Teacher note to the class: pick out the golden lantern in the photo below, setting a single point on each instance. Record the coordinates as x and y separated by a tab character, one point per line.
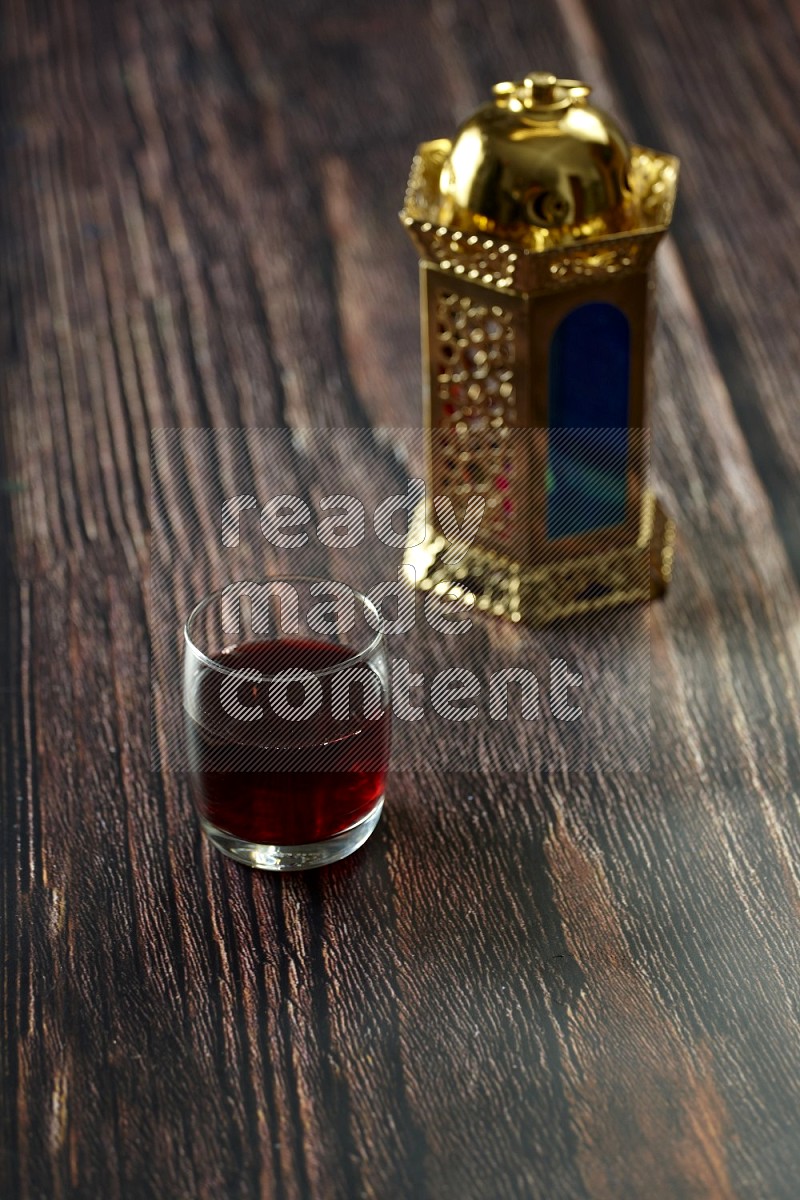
536	226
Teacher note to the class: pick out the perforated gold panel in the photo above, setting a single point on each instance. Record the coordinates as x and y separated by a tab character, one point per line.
473	372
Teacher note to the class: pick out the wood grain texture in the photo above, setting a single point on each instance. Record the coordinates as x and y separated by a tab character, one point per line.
554	986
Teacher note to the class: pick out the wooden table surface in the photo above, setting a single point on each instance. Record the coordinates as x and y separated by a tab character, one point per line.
580	986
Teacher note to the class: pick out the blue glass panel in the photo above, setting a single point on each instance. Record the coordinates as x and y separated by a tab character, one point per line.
589	380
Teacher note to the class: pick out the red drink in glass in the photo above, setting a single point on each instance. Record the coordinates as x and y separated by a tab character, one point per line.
288	734
277	781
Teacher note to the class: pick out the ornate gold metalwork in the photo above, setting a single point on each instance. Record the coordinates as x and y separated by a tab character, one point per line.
475	381
504	587
499	262
536	206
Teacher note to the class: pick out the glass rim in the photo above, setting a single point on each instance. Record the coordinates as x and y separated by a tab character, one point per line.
267	676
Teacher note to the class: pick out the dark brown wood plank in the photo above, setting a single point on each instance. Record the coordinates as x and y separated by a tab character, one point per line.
553	985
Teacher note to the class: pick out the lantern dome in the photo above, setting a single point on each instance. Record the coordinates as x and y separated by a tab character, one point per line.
538	165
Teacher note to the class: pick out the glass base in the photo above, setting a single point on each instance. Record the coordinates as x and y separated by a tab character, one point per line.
295	858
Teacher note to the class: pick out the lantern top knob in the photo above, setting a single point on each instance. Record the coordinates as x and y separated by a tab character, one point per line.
537	161
540	91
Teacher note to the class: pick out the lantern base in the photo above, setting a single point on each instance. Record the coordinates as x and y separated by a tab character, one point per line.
545	593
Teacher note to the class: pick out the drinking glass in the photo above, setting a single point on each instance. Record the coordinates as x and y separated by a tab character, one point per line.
286	696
